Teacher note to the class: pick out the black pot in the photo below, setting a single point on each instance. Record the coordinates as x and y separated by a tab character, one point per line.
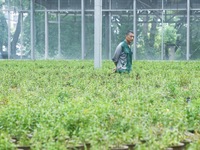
186	142
14	140
191	130
88	146
78	147
120	148
23	147
169	148
131	146
179	146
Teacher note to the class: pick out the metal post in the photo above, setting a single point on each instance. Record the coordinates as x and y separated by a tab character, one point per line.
98	34
59	45
134	29
32	30
9	34
162	44
82	29
188	31
22	30
46	35
21	39
107	34
109	31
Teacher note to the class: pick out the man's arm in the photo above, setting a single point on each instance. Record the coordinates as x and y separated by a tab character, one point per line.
117	54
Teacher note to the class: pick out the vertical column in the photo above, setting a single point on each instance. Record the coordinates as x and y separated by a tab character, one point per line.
162	44
98	34
59	45
46	35
108	32
32	30
22	38
188	31
134	28
82	29
9	34
22	30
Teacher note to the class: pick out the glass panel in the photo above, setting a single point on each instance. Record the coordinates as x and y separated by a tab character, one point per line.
122	4
195	4
149	4
194	35
172	4
105	37
51	4
23	45
175	35
20	5
4	34
25	5
71	35
39	4
149	28
105	4
19	32
148	35
39	35
70	4
121	22
89	32
89	4
53	35
3	6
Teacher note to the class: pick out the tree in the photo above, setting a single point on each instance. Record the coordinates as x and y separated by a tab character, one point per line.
3	31
147	27
14	6
16	37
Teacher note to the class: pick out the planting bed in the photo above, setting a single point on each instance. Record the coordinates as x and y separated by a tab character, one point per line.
70	105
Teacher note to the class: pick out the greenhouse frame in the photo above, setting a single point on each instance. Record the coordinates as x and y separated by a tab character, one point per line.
91	29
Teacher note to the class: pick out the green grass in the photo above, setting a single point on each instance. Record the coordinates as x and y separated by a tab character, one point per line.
57	100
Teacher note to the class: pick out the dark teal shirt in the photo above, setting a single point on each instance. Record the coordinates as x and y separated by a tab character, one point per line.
123	57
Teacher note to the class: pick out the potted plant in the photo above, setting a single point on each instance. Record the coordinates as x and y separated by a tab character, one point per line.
173	138
4	142
24	143
118	142
75	143
170	37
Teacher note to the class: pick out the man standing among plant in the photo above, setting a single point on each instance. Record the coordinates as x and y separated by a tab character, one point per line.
123	54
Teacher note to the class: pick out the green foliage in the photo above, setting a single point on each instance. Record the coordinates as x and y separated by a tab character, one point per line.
57	100
170	34
3	30
5	142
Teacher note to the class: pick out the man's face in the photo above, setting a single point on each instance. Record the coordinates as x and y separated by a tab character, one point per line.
130	37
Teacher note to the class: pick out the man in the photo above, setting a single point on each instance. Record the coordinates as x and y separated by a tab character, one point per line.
123	54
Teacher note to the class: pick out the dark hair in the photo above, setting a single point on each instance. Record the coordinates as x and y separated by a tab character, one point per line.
129	31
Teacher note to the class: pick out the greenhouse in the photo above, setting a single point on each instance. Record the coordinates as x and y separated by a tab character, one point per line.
91	29
55	94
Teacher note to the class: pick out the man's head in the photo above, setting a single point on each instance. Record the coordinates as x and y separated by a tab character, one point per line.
129	36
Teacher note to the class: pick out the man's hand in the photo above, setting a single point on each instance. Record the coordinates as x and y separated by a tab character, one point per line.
114	70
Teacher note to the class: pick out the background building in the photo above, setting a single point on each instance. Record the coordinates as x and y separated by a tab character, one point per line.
65	29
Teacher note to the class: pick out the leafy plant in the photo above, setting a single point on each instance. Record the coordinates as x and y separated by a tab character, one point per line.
52	100
170	35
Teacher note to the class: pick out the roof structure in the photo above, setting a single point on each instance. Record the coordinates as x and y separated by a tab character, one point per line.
117	4
64	4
